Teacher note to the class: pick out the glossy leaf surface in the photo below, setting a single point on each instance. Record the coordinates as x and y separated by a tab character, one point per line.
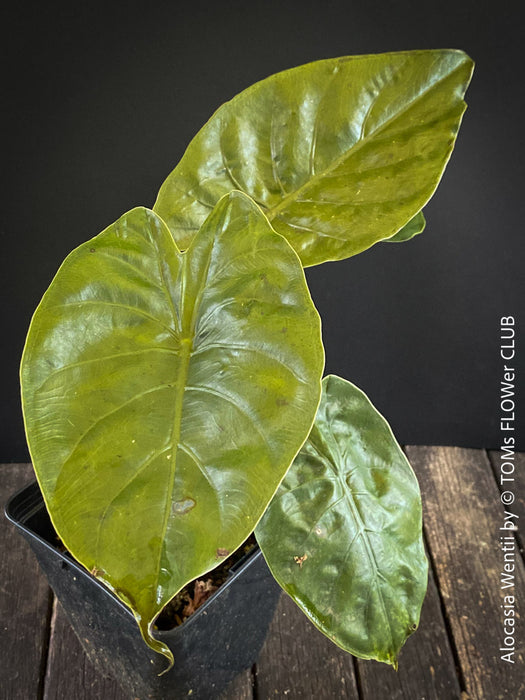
343	533
166	394
339	154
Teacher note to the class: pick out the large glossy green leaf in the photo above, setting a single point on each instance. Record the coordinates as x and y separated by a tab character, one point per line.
343	533
339	154
166	394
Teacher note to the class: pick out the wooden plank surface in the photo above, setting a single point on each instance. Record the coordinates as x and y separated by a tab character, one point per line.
241	688
499	463
69	672
24	602
297	661
426	662
461	621
463	515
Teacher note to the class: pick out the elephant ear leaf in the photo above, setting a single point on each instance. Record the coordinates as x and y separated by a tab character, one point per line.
343	533
339	153
165	395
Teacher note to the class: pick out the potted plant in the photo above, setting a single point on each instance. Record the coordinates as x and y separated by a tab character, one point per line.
171	378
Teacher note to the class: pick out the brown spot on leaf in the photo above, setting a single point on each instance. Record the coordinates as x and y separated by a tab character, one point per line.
300	560
221	552
282	402
182	507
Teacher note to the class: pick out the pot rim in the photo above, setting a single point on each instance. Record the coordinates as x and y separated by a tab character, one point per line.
28	501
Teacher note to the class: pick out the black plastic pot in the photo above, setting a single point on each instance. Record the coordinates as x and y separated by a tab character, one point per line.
221	639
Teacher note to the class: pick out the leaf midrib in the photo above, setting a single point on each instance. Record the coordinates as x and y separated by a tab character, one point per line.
272	212
187	336
360	525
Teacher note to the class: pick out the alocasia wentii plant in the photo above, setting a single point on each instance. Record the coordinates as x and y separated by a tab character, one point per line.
171	378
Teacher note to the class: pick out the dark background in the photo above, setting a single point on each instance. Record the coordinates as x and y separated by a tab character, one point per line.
100	102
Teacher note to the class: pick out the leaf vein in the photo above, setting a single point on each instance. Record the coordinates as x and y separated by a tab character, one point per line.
81	363
232	346
121	490
240	406
137	396
273	155
184	448
349	152
118	305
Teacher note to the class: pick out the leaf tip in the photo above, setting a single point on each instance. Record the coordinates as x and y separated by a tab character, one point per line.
155	644
171	662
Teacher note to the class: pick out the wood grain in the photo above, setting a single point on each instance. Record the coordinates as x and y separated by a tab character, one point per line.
241	688
426	662
461	622
517	487
463	515
25	601
69	672
297	661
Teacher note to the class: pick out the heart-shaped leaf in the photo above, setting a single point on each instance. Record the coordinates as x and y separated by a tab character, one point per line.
339	154
166	394
343	533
